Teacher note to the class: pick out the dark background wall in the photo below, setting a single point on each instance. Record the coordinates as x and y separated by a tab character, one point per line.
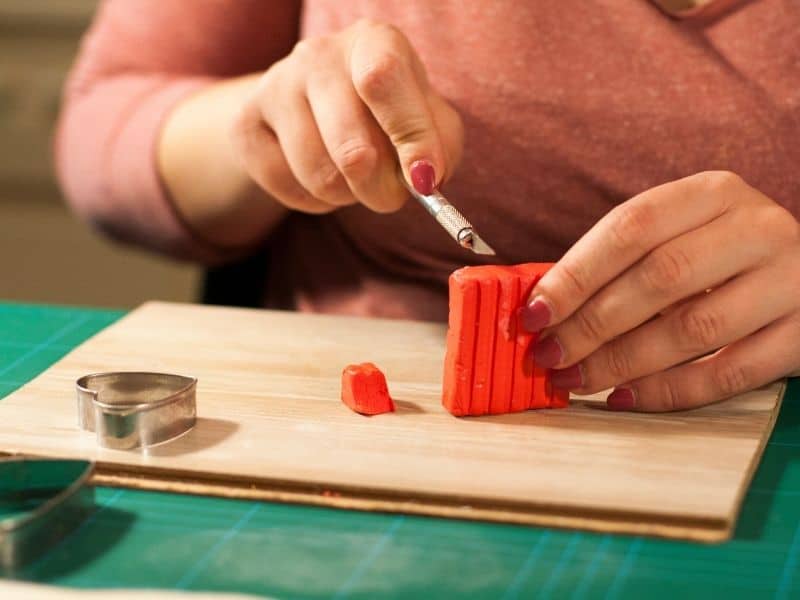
45	254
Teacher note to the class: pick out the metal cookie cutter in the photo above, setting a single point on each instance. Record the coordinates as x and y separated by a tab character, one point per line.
41	501
134	409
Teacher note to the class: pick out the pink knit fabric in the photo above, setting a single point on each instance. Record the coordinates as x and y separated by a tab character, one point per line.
569	107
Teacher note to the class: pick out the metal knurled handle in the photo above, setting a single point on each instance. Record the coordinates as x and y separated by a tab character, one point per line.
452	221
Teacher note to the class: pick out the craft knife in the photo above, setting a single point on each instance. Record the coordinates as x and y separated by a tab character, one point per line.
450	219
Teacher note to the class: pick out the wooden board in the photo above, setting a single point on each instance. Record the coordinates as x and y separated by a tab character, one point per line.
271	426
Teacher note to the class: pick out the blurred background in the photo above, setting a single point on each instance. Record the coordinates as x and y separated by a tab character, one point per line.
46	255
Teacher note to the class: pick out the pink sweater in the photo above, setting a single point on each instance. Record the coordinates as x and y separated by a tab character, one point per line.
579	104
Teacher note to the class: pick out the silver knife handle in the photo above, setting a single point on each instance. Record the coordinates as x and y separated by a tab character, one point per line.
453	222
433	203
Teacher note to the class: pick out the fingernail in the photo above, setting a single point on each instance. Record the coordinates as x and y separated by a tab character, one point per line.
621	399
547	353
535	316
423	177
567	379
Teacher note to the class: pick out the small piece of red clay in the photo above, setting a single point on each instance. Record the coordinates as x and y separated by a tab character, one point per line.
364	390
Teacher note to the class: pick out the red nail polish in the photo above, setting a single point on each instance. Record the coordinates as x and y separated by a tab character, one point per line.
535	316
621	399
567	379
423	177
547	353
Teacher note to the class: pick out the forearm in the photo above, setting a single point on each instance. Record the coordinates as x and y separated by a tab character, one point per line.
208	187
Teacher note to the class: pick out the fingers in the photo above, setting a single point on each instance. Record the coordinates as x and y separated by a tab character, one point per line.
624	236
383	70
263	160
451	132
744	365
683	267
342	109
354	141
289	116
729	313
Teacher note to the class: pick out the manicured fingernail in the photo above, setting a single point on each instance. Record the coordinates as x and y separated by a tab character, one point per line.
423	177
621	399
535	316
567	379
547	353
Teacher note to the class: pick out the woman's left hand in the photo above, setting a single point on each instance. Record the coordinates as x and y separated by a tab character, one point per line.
684	295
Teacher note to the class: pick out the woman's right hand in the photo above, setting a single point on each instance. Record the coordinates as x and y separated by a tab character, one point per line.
329	123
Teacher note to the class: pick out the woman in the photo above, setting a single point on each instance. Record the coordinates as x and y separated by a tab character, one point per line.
203	129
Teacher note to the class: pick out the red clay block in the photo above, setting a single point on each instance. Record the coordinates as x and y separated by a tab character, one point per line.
364	390
461	334
531	273
523	388
540	397
505	342
488	366
489	291
559	398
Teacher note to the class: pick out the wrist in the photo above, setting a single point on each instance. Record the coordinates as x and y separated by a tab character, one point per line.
215	197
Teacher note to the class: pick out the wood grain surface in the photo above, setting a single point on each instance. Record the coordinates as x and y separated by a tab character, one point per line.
271	425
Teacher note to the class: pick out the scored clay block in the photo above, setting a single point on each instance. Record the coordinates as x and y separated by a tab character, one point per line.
489	368
542	393
523	379
364	390
462	326
489	291
505	339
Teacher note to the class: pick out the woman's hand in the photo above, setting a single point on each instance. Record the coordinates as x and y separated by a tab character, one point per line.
687	294
327	124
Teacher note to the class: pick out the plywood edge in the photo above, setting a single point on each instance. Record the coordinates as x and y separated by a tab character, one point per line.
698	529
755	460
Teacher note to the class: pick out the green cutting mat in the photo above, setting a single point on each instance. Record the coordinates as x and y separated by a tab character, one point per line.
144	539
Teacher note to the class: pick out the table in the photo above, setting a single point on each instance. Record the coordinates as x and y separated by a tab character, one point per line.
147	539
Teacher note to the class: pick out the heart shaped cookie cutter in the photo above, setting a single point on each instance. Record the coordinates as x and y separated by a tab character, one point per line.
132	409
42	501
